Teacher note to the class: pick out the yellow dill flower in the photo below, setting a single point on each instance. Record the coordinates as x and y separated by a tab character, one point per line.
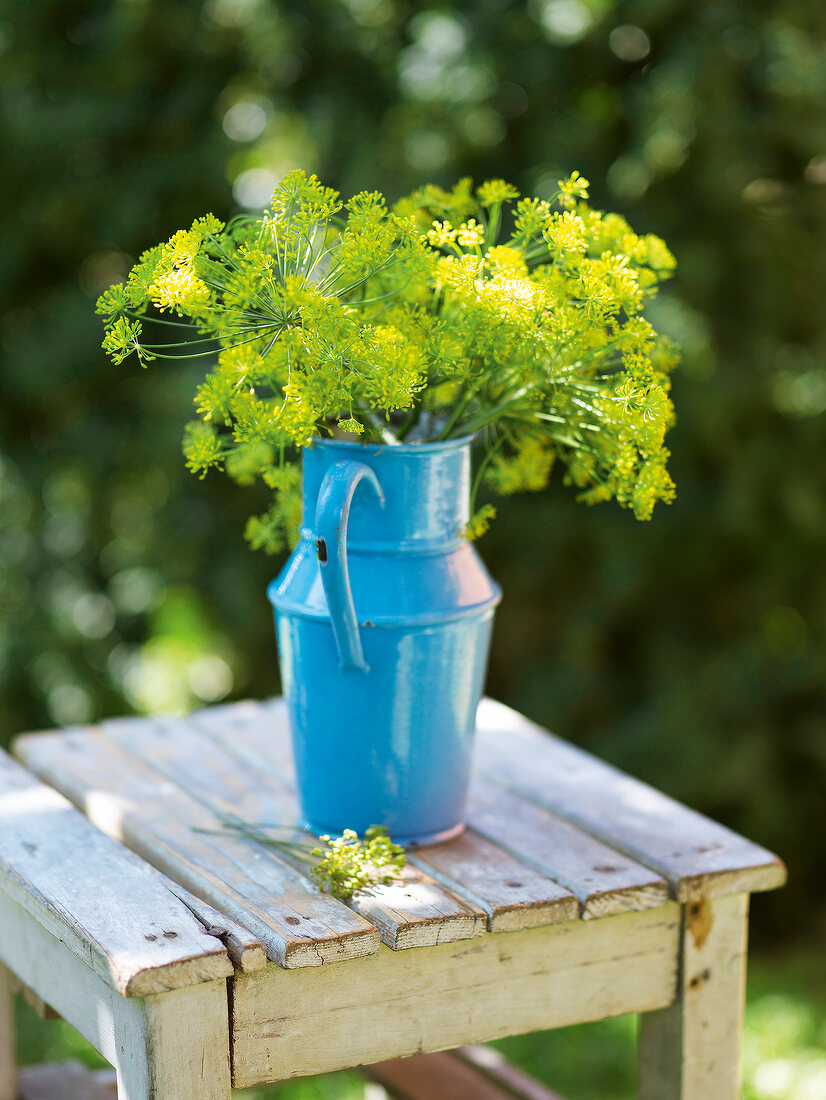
431	318
532	215
470	234
441	235
296	418
351	425
479	522
392	369
122	338
366	208
565	233
180	290
459	273
573	188
518	298
492	191
528	468
249	461
202	448
503	260
303	199
654	484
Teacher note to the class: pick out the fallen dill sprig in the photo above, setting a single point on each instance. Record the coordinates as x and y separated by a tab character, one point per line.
339	865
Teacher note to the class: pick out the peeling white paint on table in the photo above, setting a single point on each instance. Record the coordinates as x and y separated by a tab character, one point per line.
576	893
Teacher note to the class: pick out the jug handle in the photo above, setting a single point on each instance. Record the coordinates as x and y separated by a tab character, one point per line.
332	514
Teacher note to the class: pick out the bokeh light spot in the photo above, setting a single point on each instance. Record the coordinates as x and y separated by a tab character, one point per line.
246	119
253	189
564	20
629	42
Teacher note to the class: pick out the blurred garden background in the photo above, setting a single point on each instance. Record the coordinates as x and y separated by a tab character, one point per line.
689	651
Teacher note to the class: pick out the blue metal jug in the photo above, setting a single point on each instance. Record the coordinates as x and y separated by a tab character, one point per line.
383	614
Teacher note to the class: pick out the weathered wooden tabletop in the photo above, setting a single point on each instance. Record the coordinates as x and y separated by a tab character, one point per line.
554	835
575	893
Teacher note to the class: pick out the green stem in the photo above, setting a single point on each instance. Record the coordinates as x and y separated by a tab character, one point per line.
383	433
492	231
482	419
295	848
158	320
197	354
411	422
460	408
483	465
259	330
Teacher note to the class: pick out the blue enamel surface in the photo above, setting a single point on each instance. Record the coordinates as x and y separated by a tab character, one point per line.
383	706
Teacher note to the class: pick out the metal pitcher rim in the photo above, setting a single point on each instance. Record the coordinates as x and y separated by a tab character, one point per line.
394	448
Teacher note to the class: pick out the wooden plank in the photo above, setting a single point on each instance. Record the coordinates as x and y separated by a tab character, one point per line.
492	1065
43	1010
298	925
509	894
470	1073
244	949
691	1050
166	1046
513	895
415	911
698	857
8	1067
257	732
177	1047
396	1004
107	905
605	881
425	1076
68	1081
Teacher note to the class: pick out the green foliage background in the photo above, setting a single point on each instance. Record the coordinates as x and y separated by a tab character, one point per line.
689	651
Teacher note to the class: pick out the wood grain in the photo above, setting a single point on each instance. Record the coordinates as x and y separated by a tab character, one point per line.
696	856
691	1050
415	911
298	925
493	1065
176	1047
244	949
469	1073
107	905
395	1004
165	1046
481	874
605	881
426	1076
8	1070
512	895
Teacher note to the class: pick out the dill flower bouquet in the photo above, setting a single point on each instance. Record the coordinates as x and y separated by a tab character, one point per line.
519	321
379	343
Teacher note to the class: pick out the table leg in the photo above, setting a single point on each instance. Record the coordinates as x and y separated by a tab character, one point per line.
174	1046
8	1068
691	1050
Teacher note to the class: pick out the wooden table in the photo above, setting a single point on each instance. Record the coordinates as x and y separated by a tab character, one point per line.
576	893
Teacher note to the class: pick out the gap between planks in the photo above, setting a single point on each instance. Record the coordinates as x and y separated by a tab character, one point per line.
698	857
511	884
551	861
298	925
414	911
104	903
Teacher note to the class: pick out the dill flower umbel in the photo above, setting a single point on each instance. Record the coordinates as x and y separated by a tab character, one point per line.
452	313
